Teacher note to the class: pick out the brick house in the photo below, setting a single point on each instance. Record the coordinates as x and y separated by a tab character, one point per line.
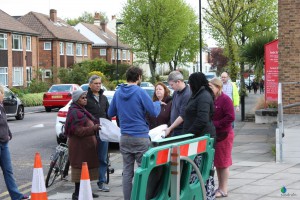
18	52
289	52
60	45
105	42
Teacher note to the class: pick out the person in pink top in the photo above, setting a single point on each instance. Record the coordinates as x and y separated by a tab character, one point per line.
222	119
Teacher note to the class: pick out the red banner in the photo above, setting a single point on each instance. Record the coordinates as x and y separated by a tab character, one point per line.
271	71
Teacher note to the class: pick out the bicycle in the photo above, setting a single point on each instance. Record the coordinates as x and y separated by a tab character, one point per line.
59	165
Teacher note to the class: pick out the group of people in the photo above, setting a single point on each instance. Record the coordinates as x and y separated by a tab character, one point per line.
201	107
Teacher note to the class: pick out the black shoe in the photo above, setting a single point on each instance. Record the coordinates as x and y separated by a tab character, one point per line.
95	195
74	196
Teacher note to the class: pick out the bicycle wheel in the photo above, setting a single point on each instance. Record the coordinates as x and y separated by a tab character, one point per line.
53	171
64	165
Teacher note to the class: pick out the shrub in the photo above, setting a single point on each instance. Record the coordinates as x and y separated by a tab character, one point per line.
32	99
260	104
38	86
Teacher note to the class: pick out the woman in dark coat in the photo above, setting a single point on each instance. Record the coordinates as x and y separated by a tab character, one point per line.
198	121
161	93
81	128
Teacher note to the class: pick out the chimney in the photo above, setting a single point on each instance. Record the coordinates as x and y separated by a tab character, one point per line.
53	15
103	26
113	17
97	19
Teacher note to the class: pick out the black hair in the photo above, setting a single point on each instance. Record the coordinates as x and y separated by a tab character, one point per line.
133	74
197	80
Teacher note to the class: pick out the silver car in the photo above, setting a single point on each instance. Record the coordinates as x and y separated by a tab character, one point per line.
13	105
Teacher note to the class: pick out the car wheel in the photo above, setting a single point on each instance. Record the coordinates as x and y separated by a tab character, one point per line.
20	113
48	109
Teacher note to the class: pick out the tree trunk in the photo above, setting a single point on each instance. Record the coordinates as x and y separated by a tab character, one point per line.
152	65
170	66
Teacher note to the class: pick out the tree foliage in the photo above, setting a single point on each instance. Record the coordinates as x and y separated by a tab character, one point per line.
253	52
188	48
155	28
232	23
218	59
87	18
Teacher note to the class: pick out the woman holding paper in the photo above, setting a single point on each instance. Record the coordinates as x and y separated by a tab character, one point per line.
162	94
81	128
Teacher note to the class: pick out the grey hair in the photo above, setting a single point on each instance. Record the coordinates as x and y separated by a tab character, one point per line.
93	77
175	76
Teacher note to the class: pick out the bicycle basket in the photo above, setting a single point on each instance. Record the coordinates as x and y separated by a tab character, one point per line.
62	148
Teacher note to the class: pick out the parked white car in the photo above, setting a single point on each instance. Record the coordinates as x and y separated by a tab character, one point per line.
62	114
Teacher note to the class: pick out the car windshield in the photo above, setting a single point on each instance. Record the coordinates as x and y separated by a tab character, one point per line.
60	88
209	76
144	84
150	92
85	87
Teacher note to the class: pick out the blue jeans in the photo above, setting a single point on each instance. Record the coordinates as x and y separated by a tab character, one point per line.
5	163
102	157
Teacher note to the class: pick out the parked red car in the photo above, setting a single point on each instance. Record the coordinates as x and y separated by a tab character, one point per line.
58	96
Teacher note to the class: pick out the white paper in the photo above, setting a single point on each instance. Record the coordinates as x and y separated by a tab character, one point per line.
109	132
158	133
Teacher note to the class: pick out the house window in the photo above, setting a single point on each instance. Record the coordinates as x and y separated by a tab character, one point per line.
48	73
102	52
17	42
85	49
28	43
78	49
3	41
3	76
112	54
124	55
17	76
119	54
61	48
70	49
128	55
47	45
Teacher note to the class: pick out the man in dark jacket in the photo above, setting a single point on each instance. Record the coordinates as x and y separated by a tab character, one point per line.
97	105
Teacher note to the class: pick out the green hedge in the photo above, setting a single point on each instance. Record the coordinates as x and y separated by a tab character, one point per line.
33	99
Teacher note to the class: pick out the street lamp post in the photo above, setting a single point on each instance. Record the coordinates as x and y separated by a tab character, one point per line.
200	36
118	23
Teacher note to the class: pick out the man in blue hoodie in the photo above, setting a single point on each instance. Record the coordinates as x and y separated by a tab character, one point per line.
131	103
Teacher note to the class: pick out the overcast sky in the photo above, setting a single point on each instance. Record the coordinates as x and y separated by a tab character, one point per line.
72	8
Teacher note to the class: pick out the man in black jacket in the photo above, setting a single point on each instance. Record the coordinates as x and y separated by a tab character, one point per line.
97	105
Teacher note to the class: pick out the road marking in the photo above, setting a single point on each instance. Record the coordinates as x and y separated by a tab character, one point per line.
20	189
38	126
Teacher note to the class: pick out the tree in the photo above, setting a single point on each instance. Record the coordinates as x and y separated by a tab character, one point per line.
218	59
87	18
155	28
222	17
260	19
253	53
189	47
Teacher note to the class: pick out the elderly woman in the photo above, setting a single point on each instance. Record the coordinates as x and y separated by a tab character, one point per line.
162	94
222	119
5	160
81	128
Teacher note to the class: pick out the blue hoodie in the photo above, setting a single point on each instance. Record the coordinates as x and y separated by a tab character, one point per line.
131	103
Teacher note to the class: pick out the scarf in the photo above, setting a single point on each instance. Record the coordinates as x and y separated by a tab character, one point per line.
77	117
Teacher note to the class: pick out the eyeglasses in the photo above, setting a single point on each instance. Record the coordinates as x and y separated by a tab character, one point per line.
83	98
